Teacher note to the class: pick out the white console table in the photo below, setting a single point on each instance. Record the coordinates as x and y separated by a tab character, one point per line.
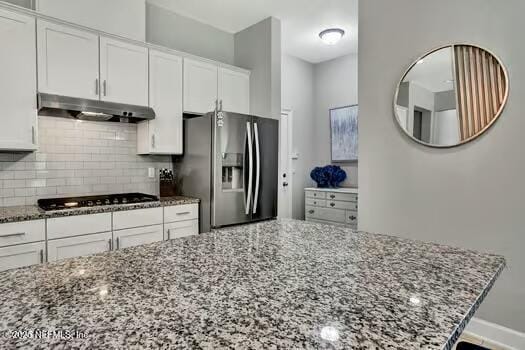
331	205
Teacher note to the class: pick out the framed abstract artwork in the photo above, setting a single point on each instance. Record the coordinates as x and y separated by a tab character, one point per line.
343	134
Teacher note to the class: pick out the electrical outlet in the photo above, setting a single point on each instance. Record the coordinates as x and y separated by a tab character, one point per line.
151	172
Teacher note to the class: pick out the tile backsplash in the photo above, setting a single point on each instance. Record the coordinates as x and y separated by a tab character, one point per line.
78	158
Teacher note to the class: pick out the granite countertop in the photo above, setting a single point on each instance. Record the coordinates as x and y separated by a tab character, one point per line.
33	212
275	284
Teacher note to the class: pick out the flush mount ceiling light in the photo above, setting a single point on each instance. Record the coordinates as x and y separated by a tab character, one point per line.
331	36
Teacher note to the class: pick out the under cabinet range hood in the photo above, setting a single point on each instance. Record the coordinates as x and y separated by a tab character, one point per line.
95	110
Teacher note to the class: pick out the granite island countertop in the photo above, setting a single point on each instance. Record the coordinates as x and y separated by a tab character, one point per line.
275	284
33	212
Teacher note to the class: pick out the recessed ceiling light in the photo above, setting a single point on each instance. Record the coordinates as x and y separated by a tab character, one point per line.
331	36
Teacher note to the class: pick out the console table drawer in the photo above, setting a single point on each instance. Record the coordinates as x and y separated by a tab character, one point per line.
336	196
315	194
351	217
342	205
315	202
327	214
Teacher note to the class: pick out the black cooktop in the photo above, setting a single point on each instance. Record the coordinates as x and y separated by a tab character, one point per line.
94	201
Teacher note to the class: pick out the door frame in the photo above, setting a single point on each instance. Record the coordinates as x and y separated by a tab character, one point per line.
288	115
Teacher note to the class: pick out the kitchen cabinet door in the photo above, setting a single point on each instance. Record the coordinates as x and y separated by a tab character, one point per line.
163	135
17	82
181	229
137	236
22	255
67	61
123	72
200	86
78	246
234	90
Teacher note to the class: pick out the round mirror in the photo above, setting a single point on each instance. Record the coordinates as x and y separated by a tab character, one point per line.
451	95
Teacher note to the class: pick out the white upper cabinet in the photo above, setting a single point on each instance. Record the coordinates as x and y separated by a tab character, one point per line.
234	90
126	18
200	86
163	135
67	61
17	82
123	72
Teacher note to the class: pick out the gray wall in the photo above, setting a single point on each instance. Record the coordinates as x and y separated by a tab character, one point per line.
470	196
445	100
258	48
177	32
298	95
335	85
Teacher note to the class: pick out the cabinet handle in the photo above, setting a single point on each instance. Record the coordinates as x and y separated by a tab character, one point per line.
332	204
184	213
169	234
311	211
216	106
220	105
118	243
332	196
41	256
352	218
153	141
110	242
33	137
96	86
104	87
12	234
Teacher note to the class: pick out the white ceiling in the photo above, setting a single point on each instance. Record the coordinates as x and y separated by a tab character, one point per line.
435	71
302	20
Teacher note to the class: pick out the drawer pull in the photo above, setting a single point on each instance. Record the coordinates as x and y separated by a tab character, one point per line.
169	234
41	256
315	202
18	234
110	242
332	204
311	211
332	196
352	217
118	243
184	213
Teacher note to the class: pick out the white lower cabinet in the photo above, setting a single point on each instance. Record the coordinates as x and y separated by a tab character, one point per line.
137	218
24	243
78	246
137	236
179	229
22	232
22	255
77	225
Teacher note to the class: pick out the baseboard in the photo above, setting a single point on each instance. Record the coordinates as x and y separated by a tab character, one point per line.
496	335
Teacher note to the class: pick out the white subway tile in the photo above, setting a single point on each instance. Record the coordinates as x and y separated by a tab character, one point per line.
14	183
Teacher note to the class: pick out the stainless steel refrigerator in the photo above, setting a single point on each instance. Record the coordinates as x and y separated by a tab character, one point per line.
230	162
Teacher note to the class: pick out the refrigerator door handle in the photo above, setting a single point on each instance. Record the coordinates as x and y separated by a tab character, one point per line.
250	168
258	167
